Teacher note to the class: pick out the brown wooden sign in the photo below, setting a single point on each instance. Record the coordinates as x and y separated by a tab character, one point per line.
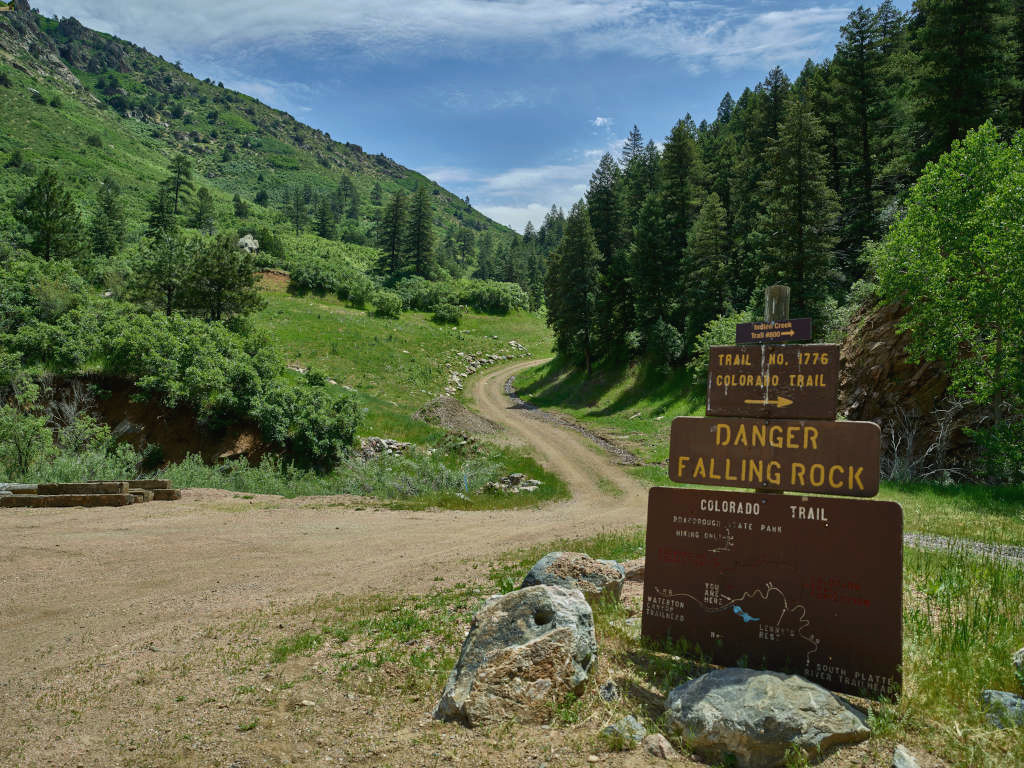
834	457
797	329
774	381
807	585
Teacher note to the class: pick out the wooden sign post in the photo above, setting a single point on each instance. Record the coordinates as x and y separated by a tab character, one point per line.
804	584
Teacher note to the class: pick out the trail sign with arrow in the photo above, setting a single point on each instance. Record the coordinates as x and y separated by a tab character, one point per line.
774	381
778	332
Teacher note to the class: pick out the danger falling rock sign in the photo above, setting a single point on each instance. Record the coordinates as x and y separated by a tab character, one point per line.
840	458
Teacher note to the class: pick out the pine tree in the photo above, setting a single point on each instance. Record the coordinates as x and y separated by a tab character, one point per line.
654	269
352	212
964	74
571	288
52	220
203	215
241	208
161	219
161	271
485	256
797	230
680	185
376	194
391	237
420	235
708	259
222	282
324	219
108	223
615	299
296	209
632	148
181	179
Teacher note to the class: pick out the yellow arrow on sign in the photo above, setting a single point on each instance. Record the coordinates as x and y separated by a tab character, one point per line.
781	402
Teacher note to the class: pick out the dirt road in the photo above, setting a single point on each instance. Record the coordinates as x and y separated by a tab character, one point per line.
75	582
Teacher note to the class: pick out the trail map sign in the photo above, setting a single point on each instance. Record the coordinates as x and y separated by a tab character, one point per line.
798	584
804	584
798	329
809	456
769	381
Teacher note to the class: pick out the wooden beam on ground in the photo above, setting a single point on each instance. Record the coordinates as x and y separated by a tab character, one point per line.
69	500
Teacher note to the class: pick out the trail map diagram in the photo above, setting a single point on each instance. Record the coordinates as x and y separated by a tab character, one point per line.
796	584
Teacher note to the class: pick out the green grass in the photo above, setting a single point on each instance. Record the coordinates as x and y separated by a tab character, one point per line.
394	365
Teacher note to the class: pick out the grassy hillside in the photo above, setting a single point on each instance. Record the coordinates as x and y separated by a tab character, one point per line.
92	105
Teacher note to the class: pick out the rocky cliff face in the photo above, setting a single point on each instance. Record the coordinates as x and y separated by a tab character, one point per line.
922	426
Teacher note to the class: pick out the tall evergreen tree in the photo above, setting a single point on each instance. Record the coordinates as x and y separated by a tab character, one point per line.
203	215
180	182
391	237
161	219
324	219
797	230
966	52
295	209
485	256
708	258
52	220
161	271
420	235
654	269
108	223
615	299
571	288
352	210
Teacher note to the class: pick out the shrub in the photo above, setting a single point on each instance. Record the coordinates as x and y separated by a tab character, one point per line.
357	289
94	140
313	275
448	314
38	98
56	102
314	428
387	304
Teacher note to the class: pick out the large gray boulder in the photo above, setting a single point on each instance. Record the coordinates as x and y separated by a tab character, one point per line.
525	651
1018	663
755	716
597	579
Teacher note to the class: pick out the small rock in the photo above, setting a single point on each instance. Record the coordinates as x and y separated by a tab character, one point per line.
634	569
598	579
609	691
308	703
657	745
629	731
1018	662
1005	710
901	758
593	759
756	716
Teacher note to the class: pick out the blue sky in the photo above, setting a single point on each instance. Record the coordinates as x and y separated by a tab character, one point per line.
511	102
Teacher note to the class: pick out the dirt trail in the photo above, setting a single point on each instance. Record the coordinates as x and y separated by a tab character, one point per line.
77	582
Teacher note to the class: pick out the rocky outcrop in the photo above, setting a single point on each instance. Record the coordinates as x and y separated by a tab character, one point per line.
921	427
756	716
597	579
525	651
1005	710
249	244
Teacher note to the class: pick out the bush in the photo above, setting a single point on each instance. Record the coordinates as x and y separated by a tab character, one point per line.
314	428
313	275
1000	451
358	288
94	140
387	304
447	314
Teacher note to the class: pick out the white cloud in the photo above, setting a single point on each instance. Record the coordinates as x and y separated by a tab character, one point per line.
515	216
601	122
725	34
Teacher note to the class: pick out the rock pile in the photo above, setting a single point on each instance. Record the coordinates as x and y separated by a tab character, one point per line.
468	364
375	447
452	416
514	483
249	244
